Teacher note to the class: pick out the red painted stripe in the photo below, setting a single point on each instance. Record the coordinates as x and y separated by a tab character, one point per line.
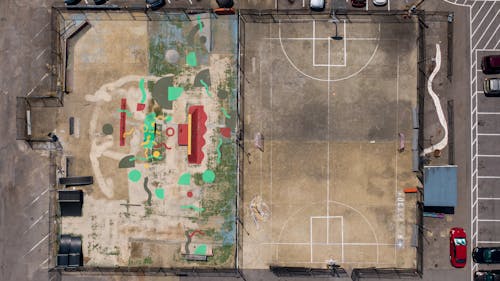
123	118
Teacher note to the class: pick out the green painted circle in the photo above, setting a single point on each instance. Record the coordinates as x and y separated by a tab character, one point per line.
208	176
107	129
134	175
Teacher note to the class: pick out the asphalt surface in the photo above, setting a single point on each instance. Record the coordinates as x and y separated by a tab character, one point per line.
24	189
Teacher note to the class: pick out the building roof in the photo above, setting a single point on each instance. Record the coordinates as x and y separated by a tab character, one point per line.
440	186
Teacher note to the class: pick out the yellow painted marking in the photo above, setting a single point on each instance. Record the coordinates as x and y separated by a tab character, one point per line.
128	133
189	134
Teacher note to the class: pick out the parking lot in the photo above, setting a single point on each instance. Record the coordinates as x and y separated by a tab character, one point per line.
330	113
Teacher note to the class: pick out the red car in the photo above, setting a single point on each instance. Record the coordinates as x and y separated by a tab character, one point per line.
458	247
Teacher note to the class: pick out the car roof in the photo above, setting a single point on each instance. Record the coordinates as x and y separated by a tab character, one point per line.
495	84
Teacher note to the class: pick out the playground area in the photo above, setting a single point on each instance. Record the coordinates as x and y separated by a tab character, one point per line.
335	116
151	116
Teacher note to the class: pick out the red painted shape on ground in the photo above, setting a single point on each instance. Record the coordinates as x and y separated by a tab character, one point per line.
196	231
225	132
123	118
170	131
162	144
182	134
189	194
140	106
198	130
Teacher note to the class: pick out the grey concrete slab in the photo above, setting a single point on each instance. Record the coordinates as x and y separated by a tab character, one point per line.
487	144
489	188
489	233
488	124
488	166
489	210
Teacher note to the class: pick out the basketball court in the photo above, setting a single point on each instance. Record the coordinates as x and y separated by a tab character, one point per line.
328	184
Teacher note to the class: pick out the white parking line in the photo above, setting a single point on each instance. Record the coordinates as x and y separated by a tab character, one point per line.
486	29
488	220
484	134
473	18
494	32
489	242
36	245
488	198
37	198
35	222
488	177
486	113
484	17
38	33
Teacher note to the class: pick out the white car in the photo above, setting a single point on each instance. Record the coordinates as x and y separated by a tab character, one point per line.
317	5
379	2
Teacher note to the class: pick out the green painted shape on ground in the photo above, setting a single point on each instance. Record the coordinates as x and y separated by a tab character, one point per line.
149	129
185	179
134	175
159	94
225	113
200	24
174	93
219	154
107	129
192	207
208	176
129	114
127	162
191	59
206	88
143	91
160	193
168	119
201	250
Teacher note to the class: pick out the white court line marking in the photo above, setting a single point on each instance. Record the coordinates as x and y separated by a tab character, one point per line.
486	29
486	113
38	33
345	47
36	245
35	222
342	236
328	150
311	237
488	220
437	104
493	35
328	38
327	244
488	198
484	134
320	79
37	198
481	22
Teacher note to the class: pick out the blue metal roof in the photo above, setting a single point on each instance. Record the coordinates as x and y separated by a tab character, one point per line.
440	186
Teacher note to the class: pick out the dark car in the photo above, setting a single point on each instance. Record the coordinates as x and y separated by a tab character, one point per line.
486	255
71	2
99	2
155	4
492	275
491	86
491	64
358	3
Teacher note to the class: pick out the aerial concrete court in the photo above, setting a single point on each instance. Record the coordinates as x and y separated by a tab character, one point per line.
154	108
329	181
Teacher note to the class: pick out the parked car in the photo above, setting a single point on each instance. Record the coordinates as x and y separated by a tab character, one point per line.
379	2
492	275
99	2
155	4
486	255
491	64
317	5
491	86
458	247
358	3
71	2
